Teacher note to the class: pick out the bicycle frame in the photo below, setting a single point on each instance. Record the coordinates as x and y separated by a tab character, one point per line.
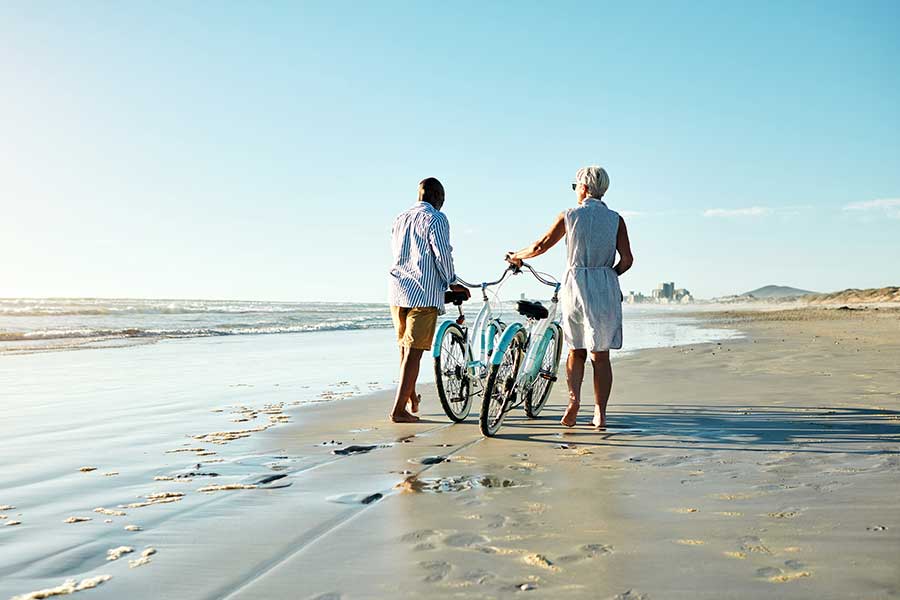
535	330
480	344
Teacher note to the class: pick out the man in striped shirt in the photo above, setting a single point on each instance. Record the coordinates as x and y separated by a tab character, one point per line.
421	273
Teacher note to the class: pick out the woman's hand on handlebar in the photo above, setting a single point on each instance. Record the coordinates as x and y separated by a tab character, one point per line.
511	259
461	288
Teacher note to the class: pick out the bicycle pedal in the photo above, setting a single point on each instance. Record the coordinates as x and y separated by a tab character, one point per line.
548	376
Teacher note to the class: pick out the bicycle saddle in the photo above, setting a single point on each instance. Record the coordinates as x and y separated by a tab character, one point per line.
532	310
456	298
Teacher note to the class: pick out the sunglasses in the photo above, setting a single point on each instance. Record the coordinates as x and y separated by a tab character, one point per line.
574	186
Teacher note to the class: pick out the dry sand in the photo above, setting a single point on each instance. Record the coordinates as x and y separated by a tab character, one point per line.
763	466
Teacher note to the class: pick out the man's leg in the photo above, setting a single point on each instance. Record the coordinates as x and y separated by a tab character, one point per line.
414	397
574	377
409	372
603	378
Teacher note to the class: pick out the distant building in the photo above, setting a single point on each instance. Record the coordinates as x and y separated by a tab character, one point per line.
635	298
665	293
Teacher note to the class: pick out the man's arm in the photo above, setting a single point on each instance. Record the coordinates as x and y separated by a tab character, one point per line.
623	246
439	239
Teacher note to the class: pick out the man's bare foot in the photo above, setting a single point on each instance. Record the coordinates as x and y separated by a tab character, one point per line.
404	417
599	421
414	402
571	415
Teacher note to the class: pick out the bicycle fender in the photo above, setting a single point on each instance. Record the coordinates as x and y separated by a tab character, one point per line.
505	341
542	348
436	345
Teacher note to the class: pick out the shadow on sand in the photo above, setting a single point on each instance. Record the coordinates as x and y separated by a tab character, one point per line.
753	429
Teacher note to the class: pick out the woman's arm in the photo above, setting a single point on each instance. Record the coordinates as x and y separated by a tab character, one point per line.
623	246
547	241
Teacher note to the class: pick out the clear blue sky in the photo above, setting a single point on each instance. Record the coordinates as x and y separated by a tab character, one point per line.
260	150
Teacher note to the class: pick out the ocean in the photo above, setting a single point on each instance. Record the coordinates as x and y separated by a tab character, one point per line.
47	324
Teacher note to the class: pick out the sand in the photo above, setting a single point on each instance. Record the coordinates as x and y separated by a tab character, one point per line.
756	467
768	465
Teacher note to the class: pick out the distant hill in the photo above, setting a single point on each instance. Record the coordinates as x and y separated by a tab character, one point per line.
771	292
854	296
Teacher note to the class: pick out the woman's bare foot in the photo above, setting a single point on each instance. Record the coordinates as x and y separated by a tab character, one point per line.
599	420
404	417
571	415
414	402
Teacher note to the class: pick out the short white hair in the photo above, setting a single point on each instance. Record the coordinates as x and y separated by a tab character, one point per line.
595	178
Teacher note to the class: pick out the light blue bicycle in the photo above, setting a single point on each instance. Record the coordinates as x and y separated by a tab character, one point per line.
506	365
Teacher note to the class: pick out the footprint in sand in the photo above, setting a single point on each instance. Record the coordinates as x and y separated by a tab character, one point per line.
465	540
420	535
437	570
478	577
540	561
491	521
752	544
593	550
776	575
586	552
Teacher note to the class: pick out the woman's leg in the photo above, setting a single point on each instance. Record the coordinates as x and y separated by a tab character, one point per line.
574	377
602	385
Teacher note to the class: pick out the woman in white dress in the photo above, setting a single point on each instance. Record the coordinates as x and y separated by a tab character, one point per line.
591	297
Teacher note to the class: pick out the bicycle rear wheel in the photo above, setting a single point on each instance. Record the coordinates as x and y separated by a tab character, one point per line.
450	374
500	390
536	397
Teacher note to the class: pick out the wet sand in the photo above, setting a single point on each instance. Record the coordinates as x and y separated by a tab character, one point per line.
768	465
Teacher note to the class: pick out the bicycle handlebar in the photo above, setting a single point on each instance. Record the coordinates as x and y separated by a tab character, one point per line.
538	276
515	271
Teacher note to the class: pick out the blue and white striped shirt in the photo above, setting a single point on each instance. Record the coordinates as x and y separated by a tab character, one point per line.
423	261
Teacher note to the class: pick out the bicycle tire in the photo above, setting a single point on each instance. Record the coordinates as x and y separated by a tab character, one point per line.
450	374
540	390
499	391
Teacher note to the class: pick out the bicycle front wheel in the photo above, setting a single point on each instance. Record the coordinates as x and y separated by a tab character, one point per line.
536	397
450	374
500	390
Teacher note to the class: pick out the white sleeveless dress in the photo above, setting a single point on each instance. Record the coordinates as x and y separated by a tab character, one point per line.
591	297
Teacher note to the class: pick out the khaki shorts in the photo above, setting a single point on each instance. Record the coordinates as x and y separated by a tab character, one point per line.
415	326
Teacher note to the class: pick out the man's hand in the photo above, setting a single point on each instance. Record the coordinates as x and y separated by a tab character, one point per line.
511	259
461	288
